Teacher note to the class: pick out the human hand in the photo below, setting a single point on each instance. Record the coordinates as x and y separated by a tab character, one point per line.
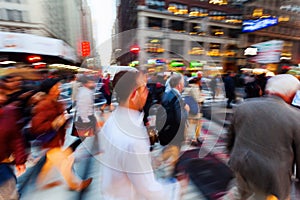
59	121
20	169
187	108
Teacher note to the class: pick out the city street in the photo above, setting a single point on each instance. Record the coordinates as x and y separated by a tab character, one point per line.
88	166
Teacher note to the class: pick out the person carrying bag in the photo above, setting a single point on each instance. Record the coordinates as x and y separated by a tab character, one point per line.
84	129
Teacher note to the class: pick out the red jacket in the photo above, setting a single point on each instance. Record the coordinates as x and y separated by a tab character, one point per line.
43	115
11	139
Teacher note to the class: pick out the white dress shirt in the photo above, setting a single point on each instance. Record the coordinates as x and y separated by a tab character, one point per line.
85	103
127	173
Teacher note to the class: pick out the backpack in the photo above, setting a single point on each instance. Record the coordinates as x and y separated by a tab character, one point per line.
194	107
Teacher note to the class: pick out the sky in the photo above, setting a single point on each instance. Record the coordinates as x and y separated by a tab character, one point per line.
103	16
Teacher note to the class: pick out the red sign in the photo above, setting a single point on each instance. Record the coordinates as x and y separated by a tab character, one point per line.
85	48
135	49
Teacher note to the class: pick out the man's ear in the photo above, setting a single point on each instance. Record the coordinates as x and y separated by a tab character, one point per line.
133	96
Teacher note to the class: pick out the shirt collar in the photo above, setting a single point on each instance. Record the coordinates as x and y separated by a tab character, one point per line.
176	91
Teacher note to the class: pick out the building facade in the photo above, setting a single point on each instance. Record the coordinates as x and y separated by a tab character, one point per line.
57	23
181	31
287	29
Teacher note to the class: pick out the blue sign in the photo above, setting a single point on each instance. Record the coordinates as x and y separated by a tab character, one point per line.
254	25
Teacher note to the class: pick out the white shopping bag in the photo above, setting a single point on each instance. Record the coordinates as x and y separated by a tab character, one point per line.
296	100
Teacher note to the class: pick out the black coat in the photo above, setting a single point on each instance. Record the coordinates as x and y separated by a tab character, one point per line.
175	122
229	85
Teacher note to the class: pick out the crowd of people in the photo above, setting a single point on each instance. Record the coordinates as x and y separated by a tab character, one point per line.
262	138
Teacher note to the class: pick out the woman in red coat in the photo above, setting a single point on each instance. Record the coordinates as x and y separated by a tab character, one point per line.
48	125
12	148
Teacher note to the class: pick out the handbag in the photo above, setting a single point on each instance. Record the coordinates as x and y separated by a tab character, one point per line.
82	129
194	107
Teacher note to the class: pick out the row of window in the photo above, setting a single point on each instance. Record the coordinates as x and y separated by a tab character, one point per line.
193	28
13	1
155	45
13	15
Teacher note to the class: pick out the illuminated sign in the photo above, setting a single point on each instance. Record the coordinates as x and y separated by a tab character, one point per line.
254	25
85	48
268	52
250	51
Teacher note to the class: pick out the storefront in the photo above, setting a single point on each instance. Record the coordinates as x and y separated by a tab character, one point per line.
27	48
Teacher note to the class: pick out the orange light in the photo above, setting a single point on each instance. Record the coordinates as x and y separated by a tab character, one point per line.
85	48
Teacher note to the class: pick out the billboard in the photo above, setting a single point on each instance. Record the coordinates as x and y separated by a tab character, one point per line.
33	44
254	25
268	52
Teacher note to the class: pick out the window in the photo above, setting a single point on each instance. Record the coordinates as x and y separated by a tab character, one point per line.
155	23
214	50
156	4
217	31
234	33
178	9
196	48
154	45
14	15
177	26
13	1
198	12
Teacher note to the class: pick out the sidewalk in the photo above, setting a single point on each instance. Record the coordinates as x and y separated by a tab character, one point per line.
211	133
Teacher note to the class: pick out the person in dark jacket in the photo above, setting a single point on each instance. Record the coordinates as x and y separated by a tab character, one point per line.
264	141
106	89
12	148
229	85
172	134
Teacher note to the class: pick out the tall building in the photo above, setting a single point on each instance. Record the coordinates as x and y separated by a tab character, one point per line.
199	34
53	29
287	13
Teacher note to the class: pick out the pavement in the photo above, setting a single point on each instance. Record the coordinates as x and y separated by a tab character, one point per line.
213	131
88	166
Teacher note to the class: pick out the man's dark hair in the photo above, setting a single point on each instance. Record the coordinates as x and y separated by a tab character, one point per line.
124	83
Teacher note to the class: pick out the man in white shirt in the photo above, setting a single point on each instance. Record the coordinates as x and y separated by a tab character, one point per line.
85	99
84	116
126	164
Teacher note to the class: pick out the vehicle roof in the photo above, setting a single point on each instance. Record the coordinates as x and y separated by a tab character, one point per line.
112	70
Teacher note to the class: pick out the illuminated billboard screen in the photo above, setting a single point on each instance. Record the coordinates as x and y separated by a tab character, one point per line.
254	25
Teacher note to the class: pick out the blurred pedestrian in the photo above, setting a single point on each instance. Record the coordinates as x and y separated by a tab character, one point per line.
12	148
74	85
262	81
127	172
199	80
213	86
229	84
48	124
85	102
167	84
172	133
252	88
85	119
106	89
264	141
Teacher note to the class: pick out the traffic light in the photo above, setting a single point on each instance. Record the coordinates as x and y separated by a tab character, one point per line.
135	49
85	48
